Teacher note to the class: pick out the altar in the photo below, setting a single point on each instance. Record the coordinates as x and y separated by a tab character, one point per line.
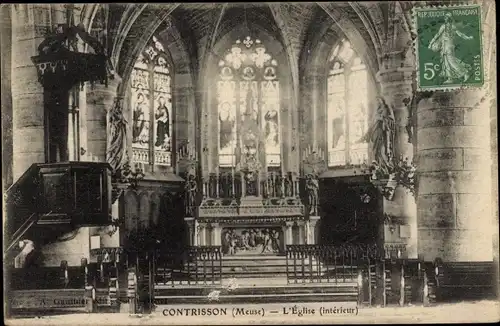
253	226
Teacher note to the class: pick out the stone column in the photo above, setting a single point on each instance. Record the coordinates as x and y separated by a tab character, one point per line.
396	86
454	191
100	99
302	232
216	234
287	234
191	230
28	29
202	234
196	238
313	220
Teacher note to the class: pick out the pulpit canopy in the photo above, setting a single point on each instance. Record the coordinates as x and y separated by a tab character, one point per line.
70	68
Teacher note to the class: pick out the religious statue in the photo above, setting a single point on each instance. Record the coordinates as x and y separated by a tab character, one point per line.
116	155
312	187
288	187
382	135
191	188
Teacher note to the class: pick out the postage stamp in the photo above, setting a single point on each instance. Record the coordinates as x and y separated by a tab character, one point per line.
448	47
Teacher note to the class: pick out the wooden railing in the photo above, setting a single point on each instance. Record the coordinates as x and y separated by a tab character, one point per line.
196	265
382	275
193	266
327	263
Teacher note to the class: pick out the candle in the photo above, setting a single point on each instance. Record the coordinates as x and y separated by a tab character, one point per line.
232	179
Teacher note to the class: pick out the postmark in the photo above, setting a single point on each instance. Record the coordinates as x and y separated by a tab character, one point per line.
448	47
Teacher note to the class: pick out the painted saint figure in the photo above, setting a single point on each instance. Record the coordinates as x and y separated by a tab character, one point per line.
139	119
338	137
227	124
444	43
272	131
162	123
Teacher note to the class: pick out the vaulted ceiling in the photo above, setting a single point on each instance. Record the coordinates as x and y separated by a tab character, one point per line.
201	25
198	26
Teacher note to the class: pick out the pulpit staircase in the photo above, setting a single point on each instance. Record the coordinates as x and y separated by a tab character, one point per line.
51	199
46	202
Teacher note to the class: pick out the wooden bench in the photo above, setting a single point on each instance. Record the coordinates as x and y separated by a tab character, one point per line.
464	280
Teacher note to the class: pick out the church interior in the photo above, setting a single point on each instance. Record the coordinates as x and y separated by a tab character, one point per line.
160	151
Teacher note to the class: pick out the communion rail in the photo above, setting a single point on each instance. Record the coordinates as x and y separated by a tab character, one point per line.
381	275
327	263
194	265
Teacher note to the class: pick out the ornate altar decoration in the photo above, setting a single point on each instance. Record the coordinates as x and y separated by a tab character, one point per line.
248	186
187	160
313	161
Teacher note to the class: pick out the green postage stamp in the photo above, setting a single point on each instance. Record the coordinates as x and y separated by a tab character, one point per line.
448	47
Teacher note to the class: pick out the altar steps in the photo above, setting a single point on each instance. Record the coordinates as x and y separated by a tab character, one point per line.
271	293
255	267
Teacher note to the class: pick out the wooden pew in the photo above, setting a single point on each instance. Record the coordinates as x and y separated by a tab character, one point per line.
457	281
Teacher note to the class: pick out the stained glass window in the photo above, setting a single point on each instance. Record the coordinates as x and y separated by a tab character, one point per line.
152	106
347	107
248	103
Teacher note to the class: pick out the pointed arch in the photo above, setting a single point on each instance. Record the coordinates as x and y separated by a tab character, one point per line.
211	67
318	70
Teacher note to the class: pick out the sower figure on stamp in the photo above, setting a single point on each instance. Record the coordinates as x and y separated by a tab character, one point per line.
443	42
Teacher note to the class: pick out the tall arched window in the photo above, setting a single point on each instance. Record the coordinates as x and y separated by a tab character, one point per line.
347	107
248	104
152	106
